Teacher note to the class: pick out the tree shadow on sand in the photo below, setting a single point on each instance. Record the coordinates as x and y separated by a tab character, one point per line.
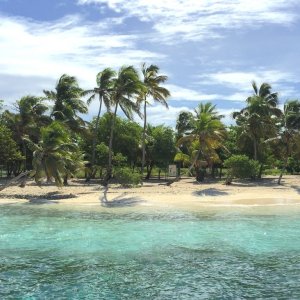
296	188
210	192
48	198
119	201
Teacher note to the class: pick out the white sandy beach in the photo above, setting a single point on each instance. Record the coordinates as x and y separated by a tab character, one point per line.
184	194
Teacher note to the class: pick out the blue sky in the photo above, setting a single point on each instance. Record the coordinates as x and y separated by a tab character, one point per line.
210	49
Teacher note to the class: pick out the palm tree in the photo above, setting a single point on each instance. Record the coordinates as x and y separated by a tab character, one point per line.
289	131
103	89
52	154
255	120
30	117
152	82
207	133
125	87
67	102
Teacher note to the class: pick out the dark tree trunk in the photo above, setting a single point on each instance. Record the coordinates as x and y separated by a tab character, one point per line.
110	151
285	162
149	170
144	139
255	149
95	135
220	175
66	180
260	170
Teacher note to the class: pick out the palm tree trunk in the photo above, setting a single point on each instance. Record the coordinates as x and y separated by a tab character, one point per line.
144	139
112	126
66	180
23	176
25	155
255	148
194	161
149	170
95	132
285	164
260	170
282	171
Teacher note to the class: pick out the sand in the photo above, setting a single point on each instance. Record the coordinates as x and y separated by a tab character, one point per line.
184	194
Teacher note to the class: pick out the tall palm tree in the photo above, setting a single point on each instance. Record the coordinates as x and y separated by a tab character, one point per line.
103	89
152	82
126	87
255	120
207	133
67	102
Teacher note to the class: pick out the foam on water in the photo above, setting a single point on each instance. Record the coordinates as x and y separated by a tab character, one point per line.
53	254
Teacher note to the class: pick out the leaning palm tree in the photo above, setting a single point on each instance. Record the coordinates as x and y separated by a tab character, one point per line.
51	155
153	90
103	89
125	87
67	102
207	132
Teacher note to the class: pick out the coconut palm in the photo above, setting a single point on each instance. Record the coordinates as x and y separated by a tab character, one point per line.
153	90
125	87
29	118
52	154
103	89
255	120
67	102
207	133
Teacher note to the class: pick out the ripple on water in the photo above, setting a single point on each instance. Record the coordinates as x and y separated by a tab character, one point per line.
50	254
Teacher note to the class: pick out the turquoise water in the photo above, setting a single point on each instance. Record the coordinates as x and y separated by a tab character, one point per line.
52	254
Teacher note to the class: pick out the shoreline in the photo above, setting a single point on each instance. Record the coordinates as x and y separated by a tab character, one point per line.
185	194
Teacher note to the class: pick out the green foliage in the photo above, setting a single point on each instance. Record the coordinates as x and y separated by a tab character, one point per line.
126	177
127	139
183	123
160	147
55	156
67	102
182	158
119	159
256	121
9	151
240	166
206	136
1	105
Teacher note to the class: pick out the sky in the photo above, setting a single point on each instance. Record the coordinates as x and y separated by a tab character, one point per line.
211	50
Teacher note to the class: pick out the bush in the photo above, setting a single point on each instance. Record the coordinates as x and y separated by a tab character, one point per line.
126	177
241	166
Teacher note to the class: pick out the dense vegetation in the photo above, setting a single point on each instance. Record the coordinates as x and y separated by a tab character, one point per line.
50	136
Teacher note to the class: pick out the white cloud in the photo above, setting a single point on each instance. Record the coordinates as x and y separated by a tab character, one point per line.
157	114
241	81
199	19
183	94
46	50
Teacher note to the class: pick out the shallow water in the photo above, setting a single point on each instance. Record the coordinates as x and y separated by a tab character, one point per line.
61	254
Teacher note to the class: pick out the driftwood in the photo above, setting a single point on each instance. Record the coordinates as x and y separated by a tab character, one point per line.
22	178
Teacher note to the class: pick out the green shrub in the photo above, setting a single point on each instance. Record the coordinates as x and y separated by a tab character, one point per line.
126	177
241	166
